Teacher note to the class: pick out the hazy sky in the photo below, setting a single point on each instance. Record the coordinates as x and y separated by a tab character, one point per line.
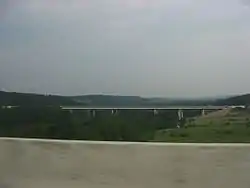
170	48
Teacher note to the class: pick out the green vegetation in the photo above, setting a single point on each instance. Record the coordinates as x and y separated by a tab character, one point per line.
42	118
223	126
126	125
51	122
26	99
236	100
111	100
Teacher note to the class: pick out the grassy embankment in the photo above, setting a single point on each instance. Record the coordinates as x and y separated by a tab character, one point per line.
229	125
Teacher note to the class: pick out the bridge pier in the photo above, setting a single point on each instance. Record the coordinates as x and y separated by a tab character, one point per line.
114	111
180	114
180	118
203	112
155	112
91	113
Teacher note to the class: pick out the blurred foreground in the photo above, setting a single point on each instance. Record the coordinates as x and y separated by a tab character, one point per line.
64	164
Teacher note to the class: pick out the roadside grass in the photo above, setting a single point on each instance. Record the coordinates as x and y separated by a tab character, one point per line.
223	127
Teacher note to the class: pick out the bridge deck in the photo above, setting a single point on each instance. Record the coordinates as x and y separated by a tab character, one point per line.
145	108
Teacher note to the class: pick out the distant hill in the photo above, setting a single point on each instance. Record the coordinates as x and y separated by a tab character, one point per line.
135	100
110	100
236	100
27	99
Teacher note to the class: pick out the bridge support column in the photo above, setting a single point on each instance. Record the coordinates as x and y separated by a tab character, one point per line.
180	114
203	112
180	117
93	113
155	112
89	113
114	111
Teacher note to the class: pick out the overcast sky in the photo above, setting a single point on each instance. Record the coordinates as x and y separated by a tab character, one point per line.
168	48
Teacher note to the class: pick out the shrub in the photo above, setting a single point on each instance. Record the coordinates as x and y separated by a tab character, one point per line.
248	124
228	131
184	134
172	134
223	131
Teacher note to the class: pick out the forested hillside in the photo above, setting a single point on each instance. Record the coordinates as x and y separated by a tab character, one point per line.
111	100
26	99
236	100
